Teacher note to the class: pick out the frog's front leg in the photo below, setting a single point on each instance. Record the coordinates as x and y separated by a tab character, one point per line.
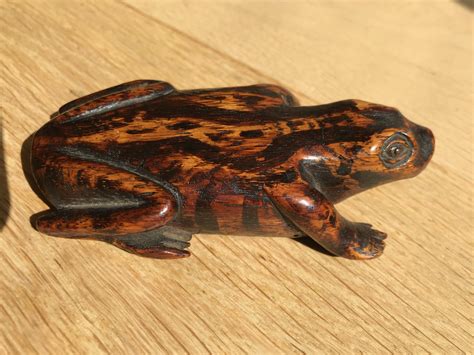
311	212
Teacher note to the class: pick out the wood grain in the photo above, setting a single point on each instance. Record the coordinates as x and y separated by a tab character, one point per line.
245	295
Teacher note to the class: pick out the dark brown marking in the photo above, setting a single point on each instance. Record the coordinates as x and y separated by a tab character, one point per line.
185	125
140	131
251	134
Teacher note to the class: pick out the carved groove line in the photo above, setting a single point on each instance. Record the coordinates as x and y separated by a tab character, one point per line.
90	155
115	106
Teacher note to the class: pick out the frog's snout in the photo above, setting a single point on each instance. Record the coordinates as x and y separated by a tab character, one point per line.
426	144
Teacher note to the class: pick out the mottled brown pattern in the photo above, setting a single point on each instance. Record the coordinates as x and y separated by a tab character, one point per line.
126	164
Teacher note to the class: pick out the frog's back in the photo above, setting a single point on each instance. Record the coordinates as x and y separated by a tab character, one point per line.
151	123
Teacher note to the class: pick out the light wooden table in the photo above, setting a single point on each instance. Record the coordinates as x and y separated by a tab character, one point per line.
238	295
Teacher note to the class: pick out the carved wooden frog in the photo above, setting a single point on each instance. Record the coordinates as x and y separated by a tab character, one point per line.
144	166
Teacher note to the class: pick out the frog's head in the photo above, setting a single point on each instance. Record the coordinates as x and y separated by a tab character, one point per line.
373	145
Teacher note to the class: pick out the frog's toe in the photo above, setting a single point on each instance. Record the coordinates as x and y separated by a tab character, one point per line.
364	242
379	235
163	243
175	233
156	251
364	230
173	243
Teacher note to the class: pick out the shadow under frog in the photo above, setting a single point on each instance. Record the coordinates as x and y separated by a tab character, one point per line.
144	166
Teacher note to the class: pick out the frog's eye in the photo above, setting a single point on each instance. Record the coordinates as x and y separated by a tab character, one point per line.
396	150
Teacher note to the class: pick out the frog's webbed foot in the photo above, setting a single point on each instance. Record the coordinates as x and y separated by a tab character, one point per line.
162	243
115	228
361	241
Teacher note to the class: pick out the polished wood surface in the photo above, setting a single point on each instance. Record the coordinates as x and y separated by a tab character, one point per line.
144	166
240	295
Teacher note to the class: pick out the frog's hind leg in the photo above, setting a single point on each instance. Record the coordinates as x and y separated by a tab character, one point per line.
102	223
96	198
162	243
286	97
119	96
243	98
